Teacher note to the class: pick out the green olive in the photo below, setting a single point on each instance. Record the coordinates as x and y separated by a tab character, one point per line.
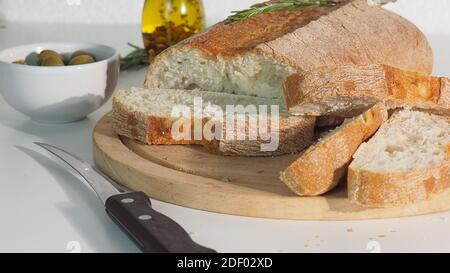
19	62
52	61
82	59
32	59
47	53
80	53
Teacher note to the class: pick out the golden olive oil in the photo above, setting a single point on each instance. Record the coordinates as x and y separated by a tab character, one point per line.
167	22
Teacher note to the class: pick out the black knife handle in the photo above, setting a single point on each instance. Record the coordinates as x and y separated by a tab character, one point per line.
152	231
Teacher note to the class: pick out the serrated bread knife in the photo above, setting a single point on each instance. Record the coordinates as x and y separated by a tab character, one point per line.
152	231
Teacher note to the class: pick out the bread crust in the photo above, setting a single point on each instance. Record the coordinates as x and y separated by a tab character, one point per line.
383	190
230	39
318	91
322	166
295	133
323	36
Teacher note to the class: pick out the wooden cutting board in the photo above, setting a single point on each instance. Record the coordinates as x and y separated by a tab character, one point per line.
191	177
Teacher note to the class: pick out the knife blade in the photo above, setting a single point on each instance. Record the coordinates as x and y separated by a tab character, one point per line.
152	231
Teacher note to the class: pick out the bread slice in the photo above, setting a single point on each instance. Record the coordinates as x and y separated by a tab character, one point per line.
407	161
348	90
254	56
146	115
323	165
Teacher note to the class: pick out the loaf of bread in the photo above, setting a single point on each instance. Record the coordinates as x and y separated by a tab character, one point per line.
407	161
323	64
146	116
348	90
254	56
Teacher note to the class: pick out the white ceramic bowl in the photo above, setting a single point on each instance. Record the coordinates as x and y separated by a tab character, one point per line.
58	94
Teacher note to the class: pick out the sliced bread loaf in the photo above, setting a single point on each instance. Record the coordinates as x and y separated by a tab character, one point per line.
407	161
348	90
254	56
324	164
147	116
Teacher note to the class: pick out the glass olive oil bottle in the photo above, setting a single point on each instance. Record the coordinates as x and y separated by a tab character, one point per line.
167	22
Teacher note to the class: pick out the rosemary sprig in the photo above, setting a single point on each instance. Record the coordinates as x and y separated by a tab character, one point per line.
272	6
135	60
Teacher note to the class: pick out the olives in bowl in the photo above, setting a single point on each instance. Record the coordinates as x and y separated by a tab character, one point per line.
48	57
48	89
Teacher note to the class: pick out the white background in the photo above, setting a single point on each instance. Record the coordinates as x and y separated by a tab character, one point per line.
98	11
431	15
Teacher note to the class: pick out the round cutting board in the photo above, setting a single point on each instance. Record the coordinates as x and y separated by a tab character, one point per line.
190	176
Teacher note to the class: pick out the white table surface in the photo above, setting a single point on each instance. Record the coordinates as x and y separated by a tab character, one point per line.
43	208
